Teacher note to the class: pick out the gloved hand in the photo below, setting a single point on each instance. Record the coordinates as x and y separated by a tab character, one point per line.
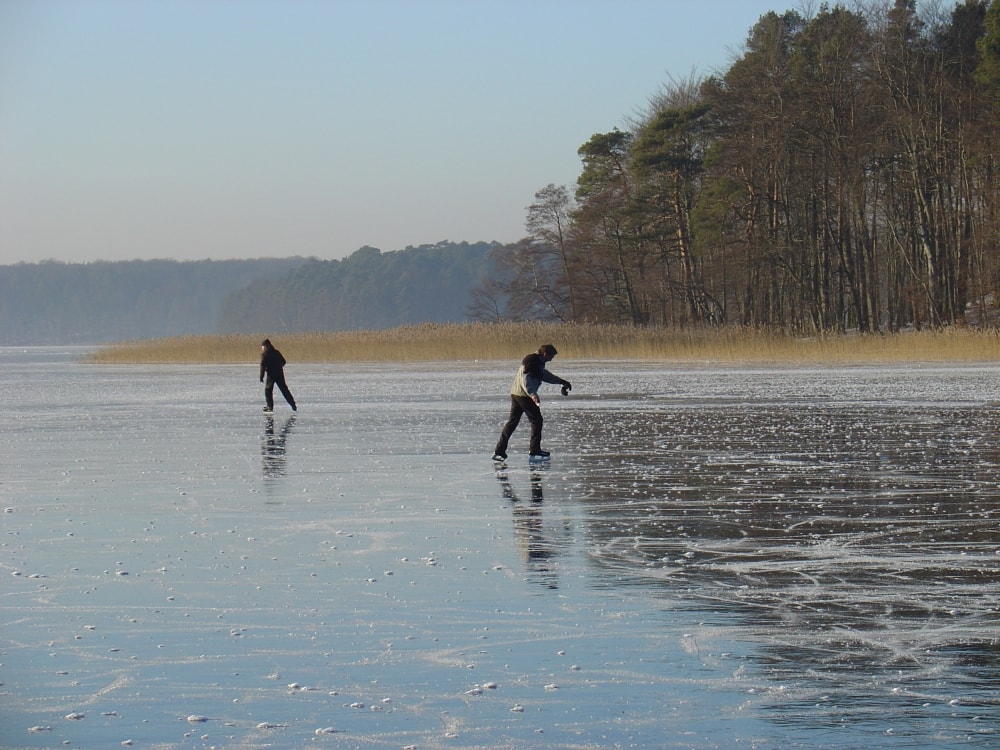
566	388
262	380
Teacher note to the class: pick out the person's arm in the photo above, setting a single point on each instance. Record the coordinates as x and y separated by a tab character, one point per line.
531	383
534	372
263	357
552	378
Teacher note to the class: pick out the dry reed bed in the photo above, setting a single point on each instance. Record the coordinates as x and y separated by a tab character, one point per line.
505	341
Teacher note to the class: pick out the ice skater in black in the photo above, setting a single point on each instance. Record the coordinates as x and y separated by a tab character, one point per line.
272	365
524	400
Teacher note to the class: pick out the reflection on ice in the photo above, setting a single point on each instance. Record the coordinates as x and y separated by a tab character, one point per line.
273	447
532	536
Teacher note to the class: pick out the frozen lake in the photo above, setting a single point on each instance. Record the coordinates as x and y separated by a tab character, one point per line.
714	558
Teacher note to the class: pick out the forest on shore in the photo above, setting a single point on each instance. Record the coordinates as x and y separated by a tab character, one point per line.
842	174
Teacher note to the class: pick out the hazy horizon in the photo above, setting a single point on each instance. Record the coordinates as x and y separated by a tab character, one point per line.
210	130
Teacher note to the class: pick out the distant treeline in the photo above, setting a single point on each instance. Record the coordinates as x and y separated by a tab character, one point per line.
367	290
93	303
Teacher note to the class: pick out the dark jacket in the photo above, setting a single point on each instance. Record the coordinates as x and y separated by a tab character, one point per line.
272	363
530	375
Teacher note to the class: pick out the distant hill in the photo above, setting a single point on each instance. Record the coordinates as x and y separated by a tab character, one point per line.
367	290
93	303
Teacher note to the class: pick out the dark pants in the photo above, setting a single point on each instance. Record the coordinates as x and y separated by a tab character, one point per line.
522	405
269	390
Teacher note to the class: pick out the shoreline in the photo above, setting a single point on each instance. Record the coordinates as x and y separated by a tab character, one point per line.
506	341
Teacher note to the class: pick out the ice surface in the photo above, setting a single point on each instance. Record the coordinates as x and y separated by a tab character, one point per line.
714	558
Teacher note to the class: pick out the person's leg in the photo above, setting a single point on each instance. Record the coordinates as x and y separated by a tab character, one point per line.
269	392
535	417
508	429
283	387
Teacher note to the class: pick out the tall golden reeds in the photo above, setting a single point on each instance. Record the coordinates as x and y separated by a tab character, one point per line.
504	341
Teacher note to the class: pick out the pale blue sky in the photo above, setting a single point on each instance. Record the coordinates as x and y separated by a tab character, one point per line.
195	129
